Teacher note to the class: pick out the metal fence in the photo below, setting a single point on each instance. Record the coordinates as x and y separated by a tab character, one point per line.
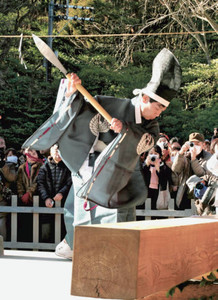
35	210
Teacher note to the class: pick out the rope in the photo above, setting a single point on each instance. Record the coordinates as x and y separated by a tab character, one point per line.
111	35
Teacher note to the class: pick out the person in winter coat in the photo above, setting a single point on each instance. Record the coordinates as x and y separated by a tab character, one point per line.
5	196
205	188
190	160
26	189
53	184
157	175
8	177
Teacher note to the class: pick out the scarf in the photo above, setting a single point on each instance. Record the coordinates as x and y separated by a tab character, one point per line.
154	181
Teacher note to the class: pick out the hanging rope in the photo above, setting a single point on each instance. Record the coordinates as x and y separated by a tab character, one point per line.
111	35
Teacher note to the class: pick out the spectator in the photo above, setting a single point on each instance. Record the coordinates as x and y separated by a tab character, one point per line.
191	159
2	143
54	182
21	157
205	188
174	148
26	188
12	163
45	154
11	155
163	143
5	196
2	151
157	176
8	176
206	145
214	146
215	134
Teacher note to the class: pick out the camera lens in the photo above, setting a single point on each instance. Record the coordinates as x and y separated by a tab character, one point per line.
153	158
191	144
165	146
199	186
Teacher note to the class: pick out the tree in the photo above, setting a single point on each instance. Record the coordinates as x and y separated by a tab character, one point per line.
27	99
187	14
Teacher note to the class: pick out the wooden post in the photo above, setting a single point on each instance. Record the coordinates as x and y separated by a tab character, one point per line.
57	224
148	207
135	259
14	220
35	221
171	206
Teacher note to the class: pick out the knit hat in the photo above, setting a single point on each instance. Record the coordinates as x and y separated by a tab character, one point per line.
196	137
166	78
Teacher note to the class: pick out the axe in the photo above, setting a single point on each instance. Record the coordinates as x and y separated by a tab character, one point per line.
50	56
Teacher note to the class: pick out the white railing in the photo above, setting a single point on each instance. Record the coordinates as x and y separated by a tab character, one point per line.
169	213
35	210
147	213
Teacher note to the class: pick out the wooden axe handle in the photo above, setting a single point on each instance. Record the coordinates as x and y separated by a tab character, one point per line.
94	103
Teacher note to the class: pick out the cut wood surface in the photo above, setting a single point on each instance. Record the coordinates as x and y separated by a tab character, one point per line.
136	259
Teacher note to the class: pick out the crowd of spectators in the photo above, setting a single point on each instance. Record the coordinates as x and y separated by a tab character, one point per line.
27	173
171	169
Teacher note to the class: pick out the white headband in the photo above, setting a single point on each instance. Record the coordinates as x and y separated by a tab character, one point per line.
152	95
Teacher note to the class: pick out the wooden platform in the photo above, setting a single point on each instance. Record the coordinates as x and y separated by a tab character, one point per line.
136	259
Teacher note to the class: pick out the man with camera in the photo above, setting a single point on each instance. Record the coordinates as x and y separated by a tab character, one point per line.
190	160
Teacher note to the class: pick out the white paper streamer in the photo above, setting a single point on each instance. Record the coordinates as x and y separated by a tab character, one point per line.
20	53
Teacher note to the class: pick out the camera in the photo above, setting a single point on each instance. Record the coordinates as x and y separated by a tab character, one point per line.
191	144
199	186
153	157
165	146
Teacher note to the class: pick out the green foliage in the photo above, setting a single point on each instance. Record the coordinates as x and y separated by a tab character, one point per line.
27	100
211	279
141	59
201	84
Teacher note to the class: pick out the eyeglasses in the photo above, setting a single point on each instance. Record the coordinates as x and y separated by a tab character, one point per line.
176	148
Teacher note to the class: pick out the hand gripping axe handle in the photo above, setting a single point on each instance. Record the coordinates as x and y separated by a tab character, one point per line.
50	56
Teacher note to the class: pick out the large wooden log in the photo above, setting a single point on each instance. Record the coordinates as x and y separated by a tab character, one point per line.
136	259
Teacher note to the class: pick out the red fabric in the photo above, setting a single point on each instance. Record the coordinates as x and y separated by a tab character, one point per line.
25	198
85	206
164	135
34	158
27	170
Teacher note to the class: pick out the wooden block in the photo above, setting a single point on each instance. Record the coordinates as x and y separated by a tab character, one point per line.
136	259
